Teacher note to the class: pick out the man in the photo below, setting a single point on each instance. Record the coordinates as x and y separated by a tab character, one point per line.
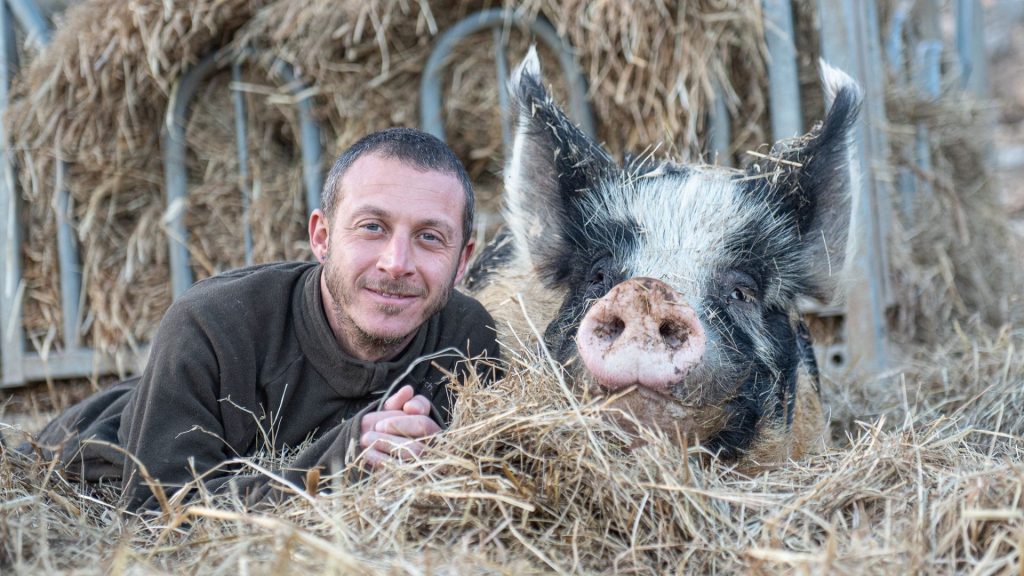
295	357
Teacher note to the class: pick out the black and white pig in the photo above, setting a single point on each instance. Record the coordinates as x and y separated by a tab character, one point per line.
675	286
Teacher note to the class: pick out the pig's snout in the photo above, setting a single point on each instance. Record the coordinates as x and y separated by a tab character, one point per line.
642	332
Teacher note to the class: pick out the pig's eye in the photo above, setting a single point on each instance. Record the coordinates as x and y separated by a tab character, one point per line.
739	287
740	295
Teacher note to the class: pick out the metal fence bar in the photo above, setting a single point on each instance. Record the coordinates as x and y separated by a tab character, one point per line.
70	268
431	119
309	136
175	174
31	20
719	128
850	40
926	80
971	47
242	145
502	72
895	50
10	229
783	81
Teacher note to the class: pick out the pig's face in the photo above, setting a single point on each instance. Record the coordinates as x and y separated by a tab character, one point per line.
679	284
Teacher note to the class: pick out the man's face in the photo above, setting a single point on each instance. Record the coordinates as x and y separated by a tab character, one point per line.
391	253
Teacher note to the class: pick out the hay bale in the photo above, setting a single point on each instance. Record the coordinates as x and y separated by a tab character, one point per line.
955	258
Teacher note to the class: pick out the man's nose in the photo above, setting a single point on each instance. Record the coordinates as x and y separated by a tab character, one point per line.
396	258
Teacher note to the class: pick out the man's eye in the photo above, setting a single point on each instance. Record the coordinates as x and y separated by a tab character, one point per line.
431	237
371	227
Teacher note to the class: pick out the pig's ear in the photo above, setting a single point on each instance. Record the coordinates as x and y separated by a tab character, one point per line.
813	182
552	167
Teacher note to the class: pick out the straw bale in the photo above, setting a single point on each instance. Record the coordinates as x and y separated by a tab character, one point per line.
954	255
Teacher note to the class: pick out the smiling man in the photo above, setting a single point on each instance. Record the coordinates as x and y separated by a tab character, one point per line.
318	362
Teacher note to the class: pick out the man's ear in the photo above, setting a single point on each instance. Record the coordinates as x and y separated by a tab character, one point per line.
319	234
553	166
464	257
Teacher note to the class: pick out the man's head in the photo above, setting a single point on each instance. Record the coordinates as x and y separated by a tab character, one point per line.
393	236
412	147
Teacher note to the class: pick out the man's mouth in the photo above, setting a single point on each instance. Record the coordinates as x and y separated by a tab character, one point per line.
393	293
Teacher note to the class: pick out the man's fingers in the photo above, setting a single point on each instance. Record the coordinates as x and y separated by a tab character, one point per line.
404	394
417	405
370	419
408	426
395	446
375	458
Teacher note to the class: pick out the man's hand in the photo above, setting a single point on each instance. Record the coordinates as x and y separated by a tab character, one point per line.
394	432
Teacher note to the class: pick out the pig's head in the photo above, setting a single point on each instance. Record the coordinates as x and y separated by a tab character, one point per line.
679	283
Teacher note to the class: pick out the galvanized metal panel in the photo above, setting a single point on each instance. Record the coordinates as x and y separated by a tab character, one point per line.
783	80
850	40
431	118
11	286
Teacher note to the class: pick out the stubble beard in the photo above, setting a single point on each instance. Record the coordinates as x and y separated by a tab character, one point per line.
379	345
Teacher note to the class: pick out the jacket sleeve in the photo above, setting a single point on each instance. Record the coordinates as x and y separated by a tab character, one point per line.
191	414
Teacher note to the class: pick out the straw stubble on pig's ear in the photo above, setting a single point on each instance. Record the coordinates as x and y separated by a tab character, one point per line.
553	165
813	183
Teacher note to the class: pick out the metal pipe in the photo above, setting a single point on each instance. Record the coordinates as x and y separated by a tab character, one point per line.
502	71
783	81
175	173
242	145
850	41
309	136
430	83
32	21
70	268
10	230
719	128
894	46
970	47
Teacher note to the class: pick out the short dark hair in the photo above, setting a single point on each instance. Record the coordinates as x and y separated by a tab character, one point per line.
408	145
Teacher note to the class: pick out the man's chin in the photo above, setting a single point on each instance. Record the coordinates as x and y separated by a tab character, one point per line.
388	332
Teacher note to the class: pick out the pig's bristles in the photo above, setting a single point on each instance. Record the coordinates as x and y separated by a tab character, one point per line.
776	159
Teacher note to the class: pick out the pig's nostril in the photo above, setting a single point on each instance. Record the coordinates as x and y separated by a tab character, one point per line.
673	334
610	329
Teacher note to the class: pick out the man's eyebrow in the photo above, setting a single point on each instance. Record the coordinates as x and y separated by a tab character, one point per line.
439	224
383	214
371	211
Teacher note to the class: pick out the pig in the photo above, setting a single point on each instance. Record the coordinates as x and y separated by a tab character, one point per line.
673	288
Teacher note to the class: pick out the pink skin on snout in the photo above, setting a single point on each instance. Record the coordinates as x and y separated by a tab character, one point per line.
641	332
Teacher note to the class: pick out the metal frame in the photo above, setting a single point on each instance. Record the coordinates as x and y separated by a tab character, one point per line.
20	366
850	39
431	118
176	175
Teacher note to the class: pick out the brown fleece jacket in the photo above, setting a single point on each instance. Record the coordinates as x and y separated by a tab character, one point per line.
245	363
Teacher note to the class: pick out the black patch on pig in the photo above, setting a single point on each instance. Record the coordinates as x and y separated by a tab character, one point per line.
495	256
809	189
762	394
595	266
806	351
